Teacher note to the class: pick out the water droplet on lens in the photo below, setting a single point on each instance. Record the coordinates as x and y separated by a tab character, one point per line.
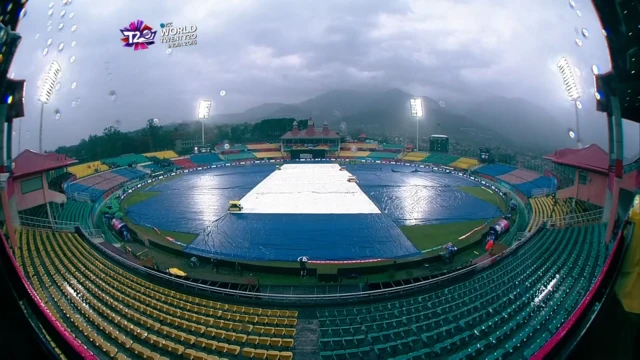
50	12
12	75
113	95
37	36
57	86
78	101
45	51
223	93
73	85
49	23
60	26
50	5
109	77
579	13
73	28
106	65
72	59
62	13
585	33
49	28
442	103
578	42
72	15
169	51
22	14
73	43
61	46
73	104
57	114
49	41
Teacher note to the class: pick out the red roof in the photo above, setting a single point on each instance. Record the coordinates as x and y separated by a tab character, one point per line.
592	157
362	136
31	162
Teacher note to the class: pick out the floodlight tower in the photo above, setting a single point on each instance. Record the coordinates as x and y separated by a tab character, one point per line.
46	90
573	91
204	110
417	111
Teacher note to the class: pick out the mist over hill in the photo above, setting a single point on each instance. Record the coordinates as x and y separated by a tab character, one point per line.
516	123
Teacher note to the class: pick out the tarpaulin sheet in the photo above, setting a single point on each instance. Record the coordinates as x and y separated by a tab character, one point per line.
319	236
197	203
423	197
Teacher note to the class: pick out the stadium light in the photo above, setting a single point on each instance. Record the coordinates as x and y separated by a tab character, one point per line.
417	111
572	89
46	90
204	110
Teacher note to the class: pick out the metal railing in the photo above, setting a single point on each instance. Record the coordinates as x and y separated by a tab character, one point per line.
40	223
541	192
299	298
573	219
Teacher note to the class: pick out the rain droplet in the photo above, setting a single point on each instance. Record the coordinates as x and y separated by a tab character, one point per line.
442	103
12	75
169	51
49	28
73	43
73	85
57	114
71	16
45	51
72	59
113	95
57	86
578	104
22	14
49	41
577	71
572	4
61	46
78	101
62	13
109	77
578	42
50	12
223	93
595	69
50	5
107	65
73	28
73	104
585	33
579	13
60	26
49	23
118	122
572	134
37	36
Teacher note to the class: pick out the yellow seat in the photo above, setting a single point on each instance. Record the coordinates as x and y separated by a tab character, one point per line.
273	355
288	343
264	341
253	340
260	354
248	352
286	355
233	350
275	342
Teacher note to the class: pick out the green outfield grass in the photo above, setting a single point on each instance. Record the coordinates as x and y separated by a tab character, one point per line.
487	195
425	237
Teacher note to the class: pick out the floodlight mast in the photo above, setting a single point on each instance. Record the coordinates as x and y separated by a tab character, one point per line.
417	111
573	91
204	111
46	91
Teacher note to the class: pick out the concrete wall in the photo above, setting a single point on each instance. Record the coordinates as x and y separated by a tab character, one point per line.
595	189
35	198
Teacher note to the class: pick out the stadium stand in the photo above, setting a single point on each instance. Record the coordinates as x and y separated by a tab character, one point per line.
125	160
496	170
358	146
205	159
122	316
184	163
546	207
396	147
541	182
87	169
464	163
76	212
415	156
440	159
238	147
498	313
244	155
96	185
153	167
382	155
268	154
354	154
519	176
263	147
168	154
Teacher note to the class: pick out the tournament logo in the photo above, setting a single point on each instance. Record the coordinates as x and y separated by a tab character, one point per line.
138	35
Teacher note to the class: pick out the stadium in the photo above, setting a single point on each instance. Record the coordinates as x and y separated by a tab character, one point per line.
318	245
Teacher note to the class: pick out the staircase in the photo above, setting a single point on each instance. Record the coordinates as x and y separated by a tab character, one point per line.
306	340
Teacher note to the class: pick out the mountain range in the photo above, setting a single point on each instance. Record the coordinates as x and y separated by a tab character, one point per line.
514	122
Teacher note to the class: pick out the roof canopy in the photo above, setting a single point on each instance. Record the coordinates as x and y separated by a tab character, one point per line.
592	158
30	162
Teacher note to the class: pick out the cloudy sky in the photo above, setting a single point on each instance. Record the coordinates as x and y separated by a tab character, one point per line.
261	51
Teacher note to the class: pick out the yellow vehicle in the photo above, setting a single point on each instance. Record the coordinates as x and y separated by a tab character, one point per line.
235	206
